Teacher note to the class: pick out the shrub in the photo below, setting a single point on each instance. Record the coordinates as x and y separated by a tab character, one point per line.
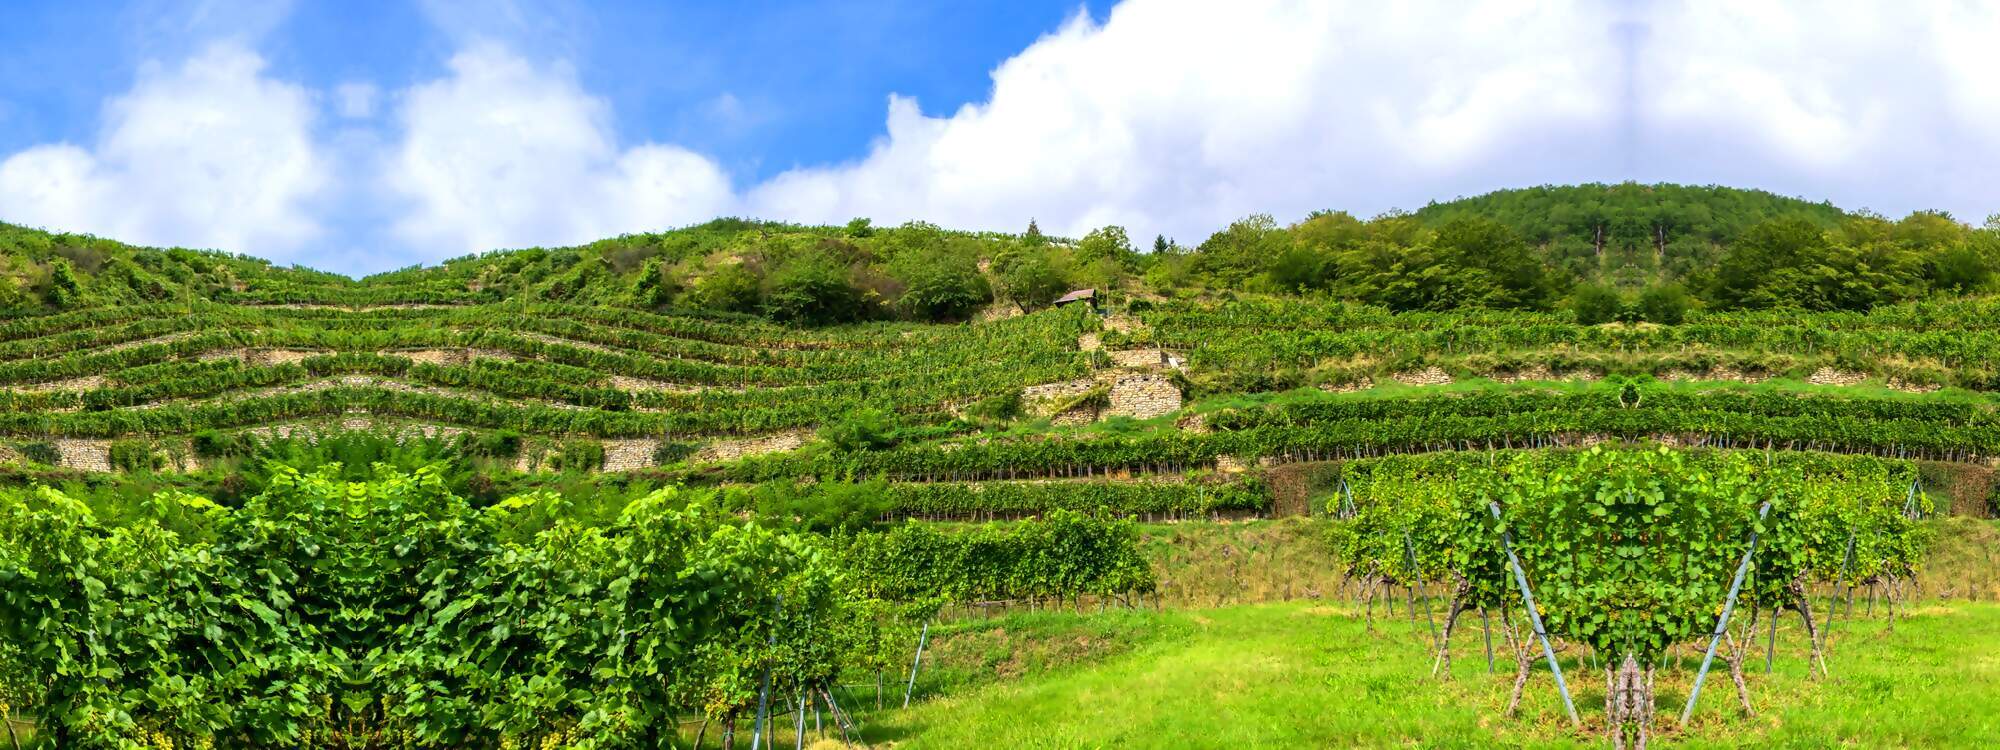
134	455
578	455
1666	305
1595	304
864	429
41	452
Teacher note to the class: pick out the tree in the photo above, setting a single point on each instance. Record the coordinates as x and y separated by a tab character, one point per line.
730	288
1595	304
1160	245
1666	305
654	288
1029	279
64	290
1241	250
1480	262
1033	237
1749	273
941	285
811	290
1107	243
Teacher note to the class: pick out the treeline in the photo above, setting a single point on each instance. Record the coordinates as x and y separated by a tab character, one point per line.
1608	252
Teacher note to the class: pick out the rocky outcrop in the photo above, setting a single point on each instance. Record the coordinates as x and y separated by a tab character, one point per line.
641	385
1907	386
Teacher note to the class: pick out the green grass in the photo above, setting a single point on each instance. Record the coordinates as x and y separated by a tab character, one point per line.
1306	674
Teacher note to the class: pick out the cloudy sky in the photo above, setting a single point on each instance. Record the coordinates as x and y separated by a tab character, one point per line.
365	135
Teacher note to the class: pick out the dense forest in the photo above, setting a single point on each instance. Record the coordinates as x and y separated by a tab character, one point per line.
1607	252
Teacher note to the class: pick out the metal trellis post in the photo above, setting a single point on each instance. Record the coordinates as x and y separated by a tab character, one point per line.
1535	616
914	663
1722	623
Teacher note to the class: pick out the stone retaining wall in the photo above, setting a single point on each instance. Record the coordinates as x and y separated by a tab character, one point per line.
1139	358
1143	396
629	455
84	455
1426	376
1830	376
730	449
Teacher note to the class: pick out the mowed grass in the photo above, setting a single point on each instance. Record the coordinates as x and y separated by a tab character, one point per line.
1308	674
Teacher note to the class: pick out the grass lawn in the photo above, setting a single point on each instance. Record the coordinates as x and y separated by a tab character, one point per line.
1305	674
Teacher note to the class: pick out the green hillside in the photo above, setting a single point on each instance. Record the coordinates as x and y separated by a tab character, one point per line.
543	496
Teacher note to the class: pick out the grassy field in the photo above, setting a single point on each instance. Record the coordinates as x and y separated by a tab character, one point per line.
1306	674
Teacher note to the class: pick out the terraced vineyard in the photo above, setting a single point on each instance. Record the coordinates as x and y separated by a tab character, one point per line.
1170	407
539	497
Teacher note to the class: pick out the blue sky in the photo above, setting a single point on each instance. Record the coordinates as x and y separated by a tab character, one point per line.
366	135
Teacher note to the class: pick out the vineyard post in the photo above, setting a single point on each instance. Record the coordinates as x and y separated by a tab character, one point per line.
1722	623
1534	616
1410	550
1486	627
1833	597
1771	643
764	686
799	725
914	663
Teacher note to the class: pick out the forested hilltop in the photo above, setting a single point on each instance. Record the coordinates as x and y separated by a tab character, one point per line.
1608	252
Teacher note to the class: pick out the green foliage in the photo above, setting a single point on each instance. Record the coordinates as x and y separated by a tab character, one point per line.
1063	556
134	455
40	451
324	613
728	288
940	285
811	290
1665	304
1632	551
861	430
1596	304
1027	278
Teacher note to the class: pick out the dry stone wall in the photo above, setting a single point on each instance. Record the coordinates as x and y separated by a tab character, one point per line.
730	449
1830	376
629	455
84	455
1139	358
1143	396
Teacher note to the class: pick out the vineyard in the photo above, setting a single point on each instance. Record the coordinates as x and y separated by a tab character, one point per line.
525	499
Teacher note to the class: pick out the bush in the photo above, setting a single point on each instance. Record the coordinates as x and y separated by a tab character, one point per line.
1596	304
673	452
1665	305
578	455
497	444
218	444
812	290
134	455
864	429
41	452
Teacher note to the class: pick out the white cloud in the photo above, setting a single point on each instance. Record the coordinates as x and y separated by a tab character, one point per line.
501	153
209	154
1171	116
1181	116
